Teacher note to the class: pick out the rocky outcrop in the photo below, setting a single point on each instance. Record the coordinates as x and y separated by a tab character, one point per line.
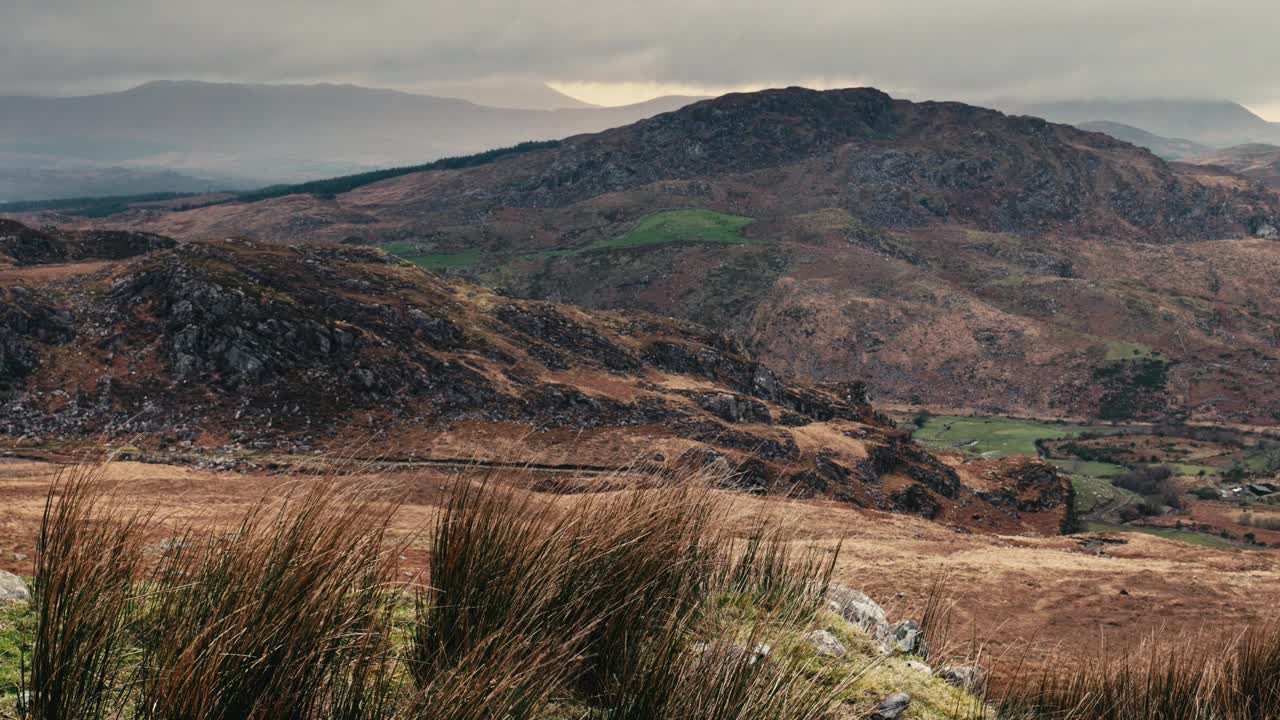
1032	486
907	637
23	246
856	607
27	320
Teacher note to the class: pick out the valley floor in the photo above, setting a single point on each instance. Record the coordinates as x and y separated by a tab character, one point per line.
1025	600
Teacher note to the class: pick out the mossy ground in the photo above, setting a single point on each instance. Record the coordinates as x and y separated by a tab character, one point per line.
16	622
1119	350
870	677
866	676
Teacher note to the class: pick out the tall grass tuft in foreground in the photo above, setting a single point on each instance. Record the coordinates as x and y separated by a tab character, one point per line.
88	558
1180	682
619	604
622	582
273	618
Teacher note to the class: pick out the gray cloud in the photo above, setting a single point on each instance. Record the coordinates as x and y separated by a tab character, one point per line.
969	49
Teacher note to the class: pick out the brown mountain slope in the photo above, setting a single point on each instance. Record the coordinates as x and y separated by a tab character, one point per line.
948	255
242	345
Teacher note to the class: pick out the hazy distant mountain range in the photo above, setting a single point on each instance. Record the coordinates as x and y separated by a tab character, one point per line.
198	136
1221	134
1208	122
1167	148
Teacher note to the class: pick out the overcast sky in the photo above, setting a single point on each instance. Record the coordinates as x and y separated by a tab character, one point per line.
614	50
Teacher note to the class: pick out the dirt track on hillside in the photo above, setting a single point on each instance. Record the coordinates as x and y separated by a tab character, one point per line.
1024	599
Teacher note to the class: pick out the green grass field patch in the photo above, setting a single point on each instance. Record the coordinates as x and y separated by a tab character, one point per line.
401	248
993	437
1090	468
1186	536
1096	494
1118	350
445	261
663	228
1193	470
681	226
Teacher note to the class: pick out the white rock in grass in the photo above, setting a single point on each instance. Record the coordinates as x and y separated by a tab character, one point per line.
857	608
826	644
13	589
919	667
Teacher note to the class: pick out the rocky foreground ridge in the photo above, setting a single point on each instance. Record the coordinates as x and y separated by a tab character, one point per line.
273	349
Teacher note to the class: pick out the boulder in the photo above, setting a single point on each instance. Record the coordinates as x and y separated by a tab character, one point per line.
907	637
857	608
892	707
826	644
13	589
965	677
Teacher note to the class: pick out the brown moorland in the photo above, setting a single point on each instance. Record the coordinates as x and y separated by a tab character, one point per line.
1027	601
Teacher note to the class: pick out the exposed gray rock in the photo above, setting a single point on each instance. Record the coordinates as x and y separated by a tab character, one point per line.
13	589
892	708
907	637
965	677
733	408
826	644
857	608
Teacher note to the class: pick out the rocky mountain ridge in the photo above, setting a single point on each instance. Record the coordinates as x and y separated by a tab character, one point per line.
890	163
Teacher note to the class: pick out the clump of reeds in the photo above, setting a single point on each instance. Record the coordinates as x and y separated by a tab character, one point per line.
619	579
87	562
607	602
1182	681
264	621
